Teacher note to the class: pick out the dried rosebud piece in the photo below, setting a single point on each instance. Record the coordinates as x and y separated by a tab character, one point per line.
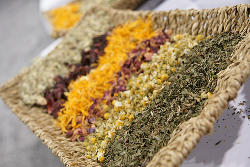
92	120
69	133
91	130
81	138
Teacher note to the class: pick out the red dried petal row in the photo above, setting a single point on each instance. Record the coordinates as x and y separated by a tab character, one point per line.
55	96
143	53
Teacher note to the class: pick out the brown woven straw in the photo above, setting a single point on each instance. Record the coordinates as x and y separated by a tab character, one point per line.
188	134
127	4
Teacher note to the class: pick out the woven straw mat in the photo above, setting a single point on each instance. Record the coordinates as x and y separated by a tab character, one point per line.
189	133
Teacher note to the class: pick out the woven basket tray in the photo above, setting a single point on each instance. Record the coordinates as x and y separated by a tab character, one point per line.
188	134
118	4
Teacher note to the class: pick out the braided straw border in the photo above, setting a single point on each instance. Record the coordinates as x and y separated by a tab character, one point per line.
188	134
127	4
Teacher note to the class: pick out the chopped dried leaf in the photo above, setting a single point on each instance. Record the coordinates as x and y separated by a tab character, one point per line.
176	103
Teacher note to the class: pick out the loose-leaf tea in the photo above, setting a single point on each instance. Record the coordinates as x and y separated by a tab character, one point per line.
183	98
83	92
143	53
55	96
140	89
33	86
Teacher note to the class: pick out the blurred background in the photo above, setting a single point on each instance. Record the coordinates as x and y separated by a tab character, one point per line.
24	36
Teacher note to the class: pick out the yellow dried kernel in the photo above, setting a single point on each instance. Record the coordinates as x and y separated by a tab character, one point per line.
88	148
173	69
101	159
110	134
116	109
178	37
88	156
142	93
209	94
131	117
159	81
123	117
164	77
199	37
106	116
118	123
93	140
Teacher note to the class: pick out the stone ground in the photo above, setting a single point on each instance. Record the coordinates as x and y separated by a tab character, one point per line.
22	37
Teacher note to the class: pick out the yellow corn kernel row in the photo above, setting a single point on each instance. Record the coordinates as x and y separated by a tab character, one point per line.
140	91
121	41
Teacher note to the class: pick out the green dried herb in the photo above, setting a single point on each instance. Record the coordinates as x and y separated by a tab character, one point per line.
68	51
184	98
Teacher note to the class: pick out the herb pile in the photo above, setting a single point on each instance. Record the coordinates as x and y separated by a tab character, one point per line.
65	17
55	97
68	51
183	98
76	113
143	53
140	89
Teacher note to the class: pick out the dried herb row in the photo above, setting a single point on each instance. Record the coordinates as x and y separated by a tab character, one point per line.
132	67
55	96
69	50
86	89
184	98
143	53
140	91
